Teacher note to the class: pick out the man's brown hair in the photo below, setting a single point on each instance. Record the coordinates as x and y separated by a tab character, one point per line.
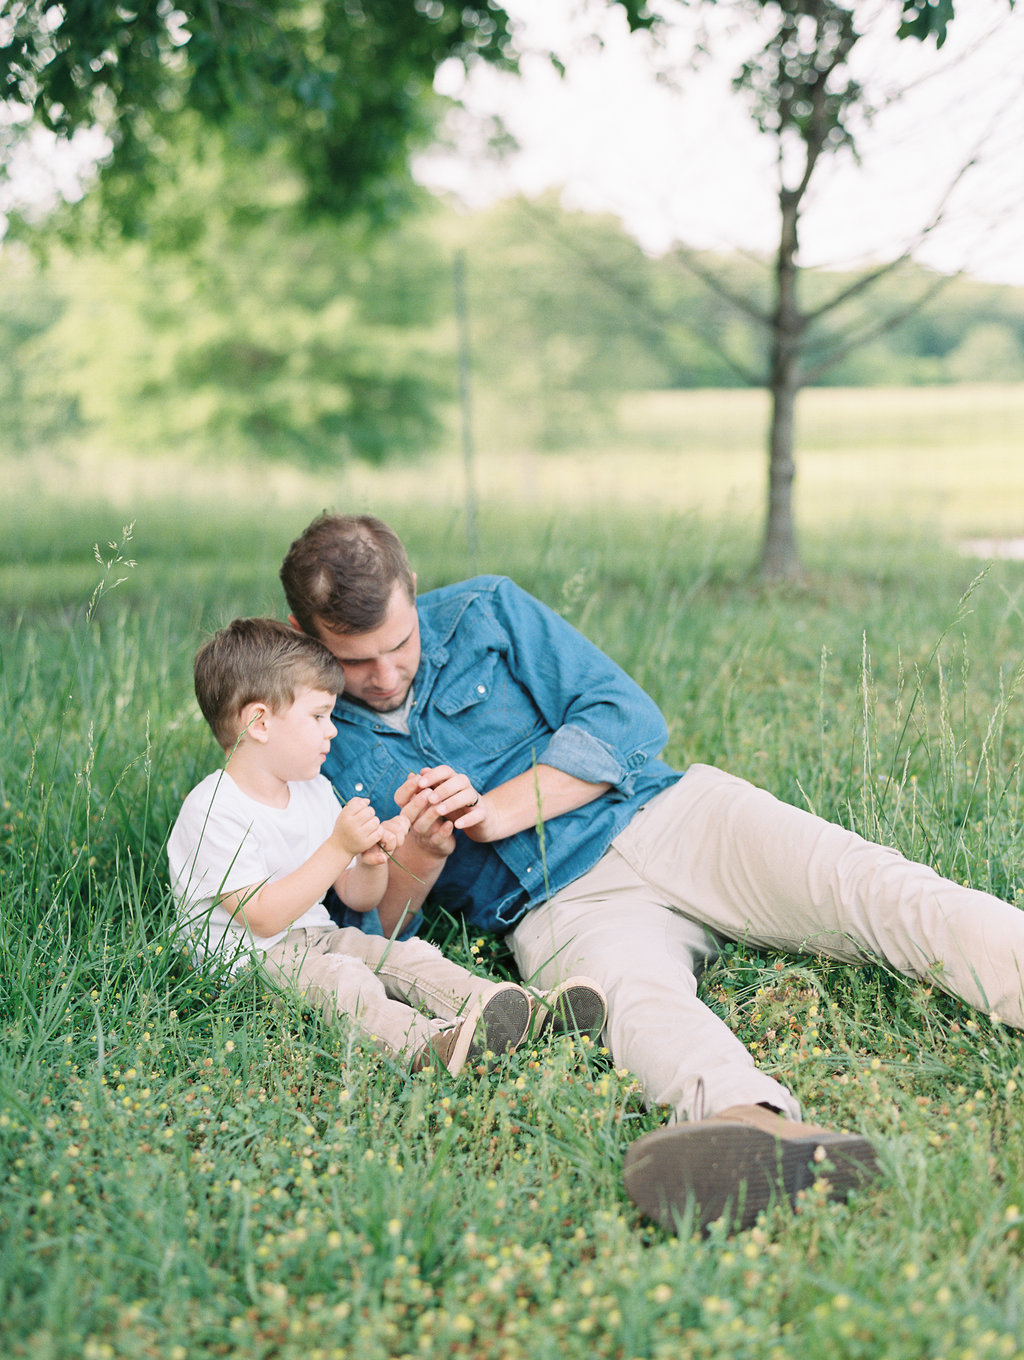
258	661
343	571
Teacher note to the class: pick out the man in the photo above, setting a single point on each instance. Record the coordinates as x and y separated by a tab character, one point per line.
559	824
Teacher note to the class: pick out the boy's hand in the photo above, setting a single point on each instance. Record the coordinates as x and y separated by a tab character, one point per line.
390	836
358	827
393	832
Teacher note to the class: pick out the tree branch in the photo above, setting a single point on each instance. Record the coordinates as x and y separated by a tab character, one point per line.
873	276
691	259
643	305
856	339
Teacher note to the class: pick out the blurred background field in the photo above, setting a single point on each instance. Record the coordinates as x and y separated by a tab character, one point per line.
896	468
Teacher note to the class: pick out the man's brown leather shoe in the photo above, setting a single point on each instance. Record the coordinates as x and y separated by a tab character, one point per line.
737	1163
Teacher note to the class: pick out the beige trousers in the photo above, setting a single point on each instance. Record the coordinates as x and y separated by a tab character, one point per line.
714	856
383	986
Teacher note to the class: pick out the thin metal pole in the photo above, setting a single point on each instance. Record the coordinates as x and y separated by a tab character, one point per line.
466	404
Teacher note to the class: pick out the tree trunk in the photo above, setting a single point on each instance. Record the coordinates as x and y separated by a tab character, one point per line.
780	560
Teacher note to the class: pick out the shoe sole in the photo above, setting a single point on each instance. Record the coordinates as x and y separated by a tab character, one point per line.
504	1020
694	1174
578	1009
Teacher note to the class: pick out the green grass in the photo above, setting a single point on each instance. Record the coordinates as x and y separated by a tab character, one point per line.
190	1170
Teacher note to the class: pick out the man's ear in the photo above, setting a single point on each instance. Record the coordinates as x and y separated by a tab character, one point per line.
295	623
253	718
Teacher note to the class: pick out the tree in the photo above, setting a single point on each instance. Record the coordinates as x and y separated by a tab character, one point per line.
230	330
37	405
801	94
554	346
255	140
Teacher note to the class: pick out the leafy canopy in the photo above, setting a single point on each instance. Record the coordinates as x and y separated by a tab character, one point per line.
346	85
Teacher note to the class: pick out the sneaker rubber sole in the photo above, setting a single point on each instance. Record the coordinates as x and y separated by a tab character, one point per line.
504	1020
576	1006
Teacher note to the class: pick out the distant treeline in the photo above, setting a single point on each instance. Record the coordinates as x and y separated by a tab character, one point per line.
230	331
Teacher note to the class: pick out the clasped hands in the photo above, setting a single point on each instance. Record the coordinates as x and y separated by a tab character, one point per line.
438	801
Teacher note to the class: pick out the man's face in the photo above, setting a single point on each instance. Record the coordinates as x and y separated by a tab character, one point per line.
381	665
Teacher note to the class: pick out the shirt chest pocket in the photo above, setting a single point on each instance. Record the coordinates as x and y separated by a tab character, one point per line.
486	707
371	771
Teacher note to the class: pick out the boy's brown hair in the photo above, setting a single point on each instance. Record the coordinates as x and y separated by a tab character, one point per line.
258	661
342	570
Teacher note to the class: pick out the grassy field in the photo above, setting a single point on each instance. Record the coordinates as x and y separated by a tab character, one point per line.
189	1170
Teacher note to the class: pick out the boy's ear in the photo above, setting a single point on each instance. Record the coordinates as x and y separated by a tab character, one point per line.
253	719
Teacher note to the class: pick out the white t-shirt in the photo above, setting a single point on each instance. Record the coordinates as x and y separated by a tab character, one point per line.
224	841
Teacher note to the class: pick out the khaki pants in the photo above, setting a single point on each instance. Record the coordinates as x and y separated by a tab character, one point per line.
715	857
383	986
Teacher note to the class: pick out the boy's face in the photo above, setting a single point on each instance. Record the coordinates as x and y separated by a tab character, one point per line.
299	736
381	665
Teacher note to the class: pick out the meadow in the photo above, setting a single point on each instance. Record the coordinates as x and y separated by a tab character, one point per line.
191	1169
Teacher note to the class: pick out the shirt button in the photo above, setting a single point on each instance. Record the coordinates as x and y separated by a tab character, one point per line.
359	788
481	689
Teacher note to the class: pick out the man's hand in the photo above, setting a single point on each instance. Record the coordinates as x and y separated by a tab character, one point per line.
429	842
453	803
426	809
447	790
535	795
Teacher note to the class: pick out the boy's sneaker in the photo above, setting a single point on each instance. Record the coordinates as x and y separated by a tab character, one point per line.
576	1006
504	1020
449	1048
738	1162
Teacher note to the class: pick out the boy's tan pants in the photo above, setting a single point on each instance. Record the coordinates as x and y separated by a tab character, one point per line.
715	857
382	985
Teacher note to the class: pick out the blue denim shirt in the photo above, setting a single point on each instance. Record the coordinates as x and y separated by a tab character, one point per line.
503	684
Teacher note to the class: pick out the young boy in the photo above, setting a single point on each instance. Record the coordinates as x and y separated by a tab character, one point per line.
257	845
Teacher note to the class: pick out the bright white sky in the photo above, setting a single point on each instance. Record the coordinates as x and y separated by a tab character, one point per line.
687	164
